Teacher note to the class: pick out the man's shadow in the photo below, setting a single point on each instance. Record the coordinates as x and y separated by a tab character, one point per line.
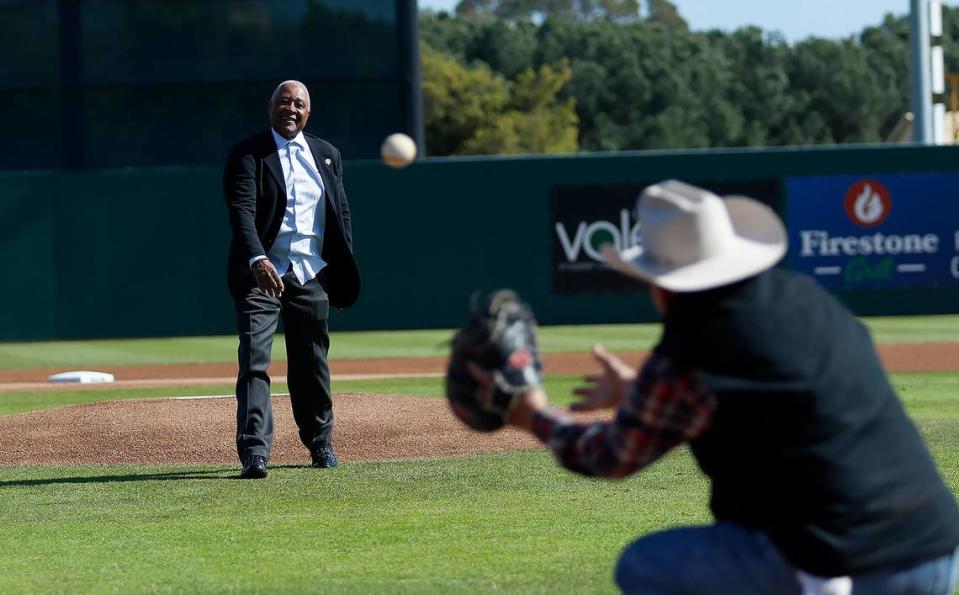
193	474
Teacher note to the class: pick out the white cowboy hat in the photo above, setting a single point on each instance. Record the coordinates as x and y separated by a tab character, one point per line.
692	240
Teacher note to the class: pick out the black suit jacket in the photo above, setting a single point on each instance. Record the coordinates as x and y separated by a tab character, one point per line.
255	194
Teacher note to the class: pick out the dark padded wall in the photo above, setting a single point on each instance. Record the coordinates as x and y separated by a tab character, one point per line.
141	252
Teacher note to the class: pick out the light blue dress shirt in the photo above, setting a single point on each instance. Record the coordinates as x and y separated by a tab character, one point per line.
300	239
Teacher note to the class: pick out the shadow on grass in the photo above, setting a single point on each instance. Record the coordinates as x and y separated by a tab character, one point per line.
170	476
207	474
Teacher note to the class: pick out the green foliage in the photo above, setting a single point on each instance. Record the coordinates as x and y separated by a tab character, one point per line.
650	83
577	10
666	13
476	111
457	101
534	122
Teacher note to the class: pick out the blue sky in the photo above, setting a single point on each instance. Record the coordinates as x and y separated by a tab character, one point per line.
795	20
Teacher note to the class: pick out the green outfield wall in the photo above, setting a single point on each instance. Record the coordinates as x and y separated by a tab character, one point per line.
142	252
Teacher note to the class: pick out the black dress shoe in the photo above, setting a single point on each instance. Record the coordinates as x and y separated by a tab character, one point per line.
255	468
323	457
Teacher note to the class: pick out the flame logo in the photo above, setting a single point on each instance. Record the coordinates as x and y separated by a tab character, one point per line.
868	203
868	206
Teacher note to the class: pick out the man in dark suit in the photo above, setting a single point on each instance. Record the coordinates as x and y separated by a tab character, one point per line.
291	256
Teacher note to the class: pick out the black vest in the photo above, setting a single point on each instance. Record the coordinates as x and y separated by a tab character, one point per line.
809	443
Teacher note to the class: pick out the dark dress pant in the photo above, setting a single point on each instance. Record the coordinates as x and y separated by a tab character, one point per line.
304	309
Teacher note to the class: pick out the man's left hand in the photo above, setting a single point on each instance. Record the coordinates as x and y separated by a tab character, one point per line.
524	406
494	359
608	389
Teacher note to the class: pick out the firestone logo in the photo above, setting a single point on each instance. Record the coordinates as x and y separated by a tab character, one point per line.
868	203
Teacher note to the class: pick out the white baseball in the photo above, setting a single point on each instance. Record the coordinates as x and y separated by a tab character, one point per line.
398	150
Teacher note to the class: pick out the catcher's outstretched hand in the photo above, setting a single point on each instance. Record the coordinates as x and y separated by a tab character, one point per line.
607	389
495	358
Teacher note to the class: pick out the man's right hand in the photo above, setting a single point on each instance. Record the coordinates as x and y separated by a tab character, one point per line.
267	278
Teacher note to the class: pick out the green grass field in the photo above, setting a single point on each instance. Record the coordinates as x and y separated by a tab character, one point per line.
360	345
497	523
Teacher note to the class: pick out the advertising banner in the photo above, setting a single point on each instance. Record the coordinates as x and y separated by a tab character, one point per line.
881	231
583	218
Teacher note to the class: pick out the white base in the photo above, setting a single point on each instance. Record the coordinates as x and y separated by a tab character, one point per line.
82	377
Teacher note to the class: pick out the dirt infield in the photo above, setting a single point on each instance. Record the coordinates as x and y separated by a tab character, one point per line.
368	427
175	431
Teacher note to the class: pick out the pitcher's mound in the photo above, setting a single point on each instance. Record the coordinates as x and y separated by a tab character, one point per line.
170	431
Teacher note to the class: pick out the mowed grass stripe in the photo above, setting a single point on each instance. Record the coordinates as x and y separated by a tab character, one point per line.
926	392
388	344
510	523
24	401
21	402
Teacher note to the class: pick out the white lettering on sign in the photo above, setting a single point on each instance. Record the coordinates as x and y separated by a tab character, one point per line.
591	229
817	242
955	267
583	241
571	249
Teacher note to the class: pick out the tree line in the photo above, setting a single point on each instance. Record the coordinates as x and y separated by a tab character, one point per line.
545	76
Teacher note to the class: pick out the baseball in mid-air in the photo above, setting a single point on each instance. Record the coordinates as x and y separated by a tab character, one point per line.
398	150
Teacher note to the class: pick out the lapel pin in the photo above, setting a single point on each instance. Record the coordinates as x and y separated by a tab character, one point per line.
327	161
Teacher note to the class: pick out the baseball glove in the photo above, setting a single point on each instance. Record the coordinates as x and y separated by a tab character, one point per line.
500	338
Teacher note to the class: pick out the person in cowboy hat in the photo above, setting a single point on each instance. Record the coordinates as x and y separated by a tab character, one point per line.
820	482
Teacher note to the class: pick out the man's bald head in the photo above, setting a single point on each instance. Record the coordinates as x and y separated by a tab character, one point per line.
291	84
289	108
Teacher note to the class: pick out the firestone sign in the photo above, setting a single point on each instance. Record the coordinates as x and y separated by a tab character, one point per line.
868	232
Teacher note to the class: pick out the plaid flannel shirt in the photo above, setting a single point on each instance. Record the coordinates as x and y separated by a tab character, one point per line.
666	407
